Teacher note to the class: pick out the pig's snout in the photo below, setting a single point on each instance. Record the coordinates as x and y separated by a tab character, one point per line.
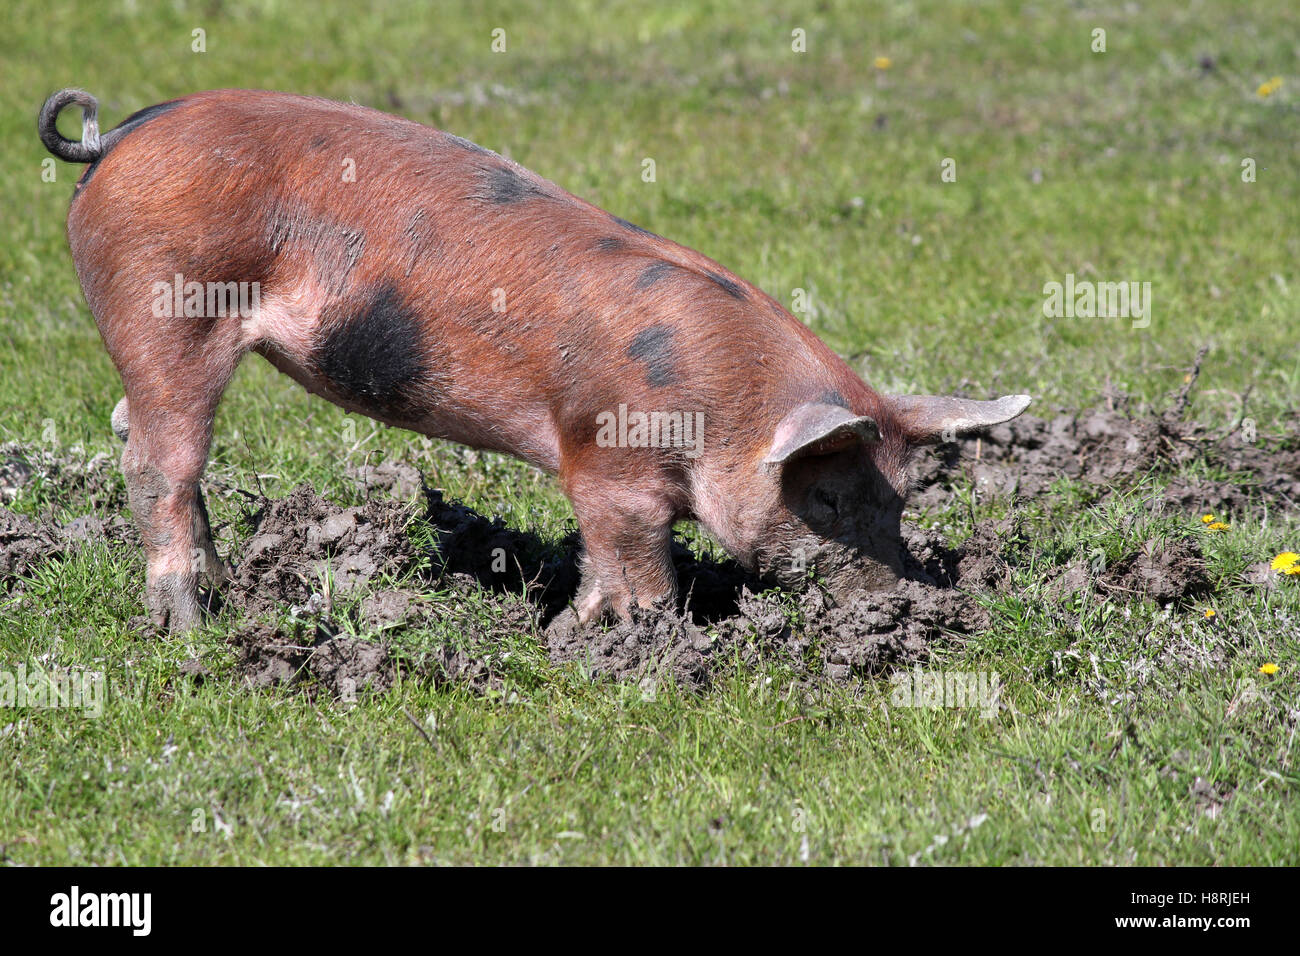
845	568
872	564
860	574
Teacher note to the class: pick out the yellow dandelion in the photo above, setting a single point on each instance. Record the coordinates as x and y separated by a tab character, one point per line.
884	63
1288	562
1208	519
1269	87
1211	614
1269	668
1216	526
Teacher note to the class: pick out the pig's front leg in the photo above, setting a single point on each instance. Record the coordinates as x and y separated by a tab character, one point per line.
627	537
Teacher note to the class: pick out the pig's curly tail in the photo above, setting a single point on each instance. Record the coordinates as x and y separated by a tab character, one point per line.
91	147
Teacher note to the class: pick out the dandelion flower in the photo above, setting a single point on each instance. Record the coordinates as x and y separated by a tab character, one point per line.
1216	526
1288	562
884	63
1211	614
1270	87
1269	668
1208	519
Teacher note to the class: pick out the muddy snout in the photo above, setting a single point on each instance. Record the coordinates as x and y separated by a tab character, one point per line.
849	572
846	569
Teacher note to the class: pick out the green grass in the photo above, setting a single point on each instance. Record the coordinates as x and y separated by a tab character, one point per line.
814	171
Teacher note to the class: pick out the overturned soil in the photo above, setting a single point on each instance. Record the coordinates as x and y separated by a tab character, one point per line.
1110	449
308	571
82	484
721	617
304	547
93	483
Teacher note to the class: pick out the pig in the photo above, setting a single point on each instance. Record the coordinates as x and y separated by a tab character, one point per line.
410	275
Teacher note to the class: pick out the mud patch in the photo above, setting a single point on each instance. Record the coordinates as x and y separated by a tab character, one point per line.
654	642
724	617
1168	572
723	614
818	639
66	482
303	545
1110	448
822	640
93	485
1172	572
27	543
309	555
308	656
866	637
72	480
311	655
721	619
24	545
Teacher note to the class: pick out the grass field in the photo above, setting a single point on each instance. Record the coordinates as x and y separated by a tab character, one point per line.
817	170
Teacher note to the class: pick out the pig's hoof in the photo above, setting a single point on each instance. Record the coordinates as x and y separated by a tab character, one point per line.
562	626
173	609
175	620
143	624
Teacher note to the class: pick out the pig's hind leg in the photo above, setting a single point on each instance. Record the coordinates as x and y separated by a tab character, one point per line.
213	571
174	372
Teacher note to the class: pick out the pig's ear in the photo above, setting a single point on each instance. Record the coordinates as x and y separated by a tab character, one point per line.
931	418
818	429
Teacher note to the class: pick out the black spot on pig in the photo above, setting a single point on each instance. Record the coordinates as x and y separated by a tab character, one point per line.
634	228
610	244
376	353
653	348
653	273
505	184
136	120
832	397
463	143
727	286
121	131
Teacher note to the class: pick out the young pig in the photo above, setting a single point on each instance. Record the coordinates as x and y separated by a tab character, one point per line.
410	275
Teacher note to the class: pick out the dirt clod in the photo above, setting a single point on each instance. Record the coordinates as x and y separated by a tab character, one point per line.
1171	573
301	541
24	544
858	639
342	666
1109	450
